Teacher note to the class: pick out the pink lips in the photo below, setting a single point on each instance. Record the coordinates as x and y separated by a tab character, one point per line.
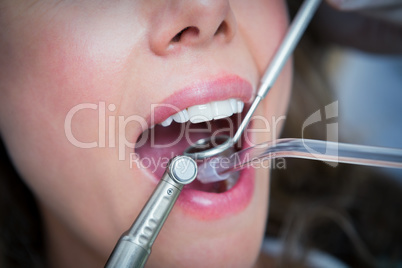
220	89
199	204
212	206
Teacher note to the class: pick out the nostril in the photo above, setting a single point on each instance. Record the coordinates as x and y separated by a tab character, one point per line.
188	32
177	37
222	29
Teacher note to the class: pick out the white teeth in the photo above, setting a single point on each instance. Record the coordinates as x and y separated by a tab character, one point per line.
167	122
233	103
240	106
221	109
181	117
200	113
206	112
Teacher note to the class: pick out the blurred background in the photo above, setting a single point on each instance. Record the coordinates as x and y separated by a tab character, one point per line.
348	216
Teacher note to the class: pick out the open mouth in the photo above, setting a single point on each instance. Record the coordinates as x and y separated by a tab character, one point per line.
182	128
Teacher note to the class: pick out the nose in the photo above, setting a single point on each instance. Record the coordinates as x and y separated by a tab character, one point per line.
190	23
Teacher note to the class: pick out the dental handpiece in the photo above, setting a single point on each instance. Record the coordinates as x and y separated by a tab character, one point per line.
134	246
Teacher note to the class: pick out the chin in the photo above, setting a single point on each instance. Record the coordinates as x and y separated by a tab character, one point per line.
230	241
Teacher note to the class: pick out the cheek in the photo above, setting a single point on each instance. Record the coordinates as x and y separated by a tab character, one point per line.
70	69
262	24
60	66
53	70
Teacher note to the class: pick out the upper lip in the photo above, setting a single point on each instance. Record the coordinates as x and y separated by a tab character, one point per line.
226	87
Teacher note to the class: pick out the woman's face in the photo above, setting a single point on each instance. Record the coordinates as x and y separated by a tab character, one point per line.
82	80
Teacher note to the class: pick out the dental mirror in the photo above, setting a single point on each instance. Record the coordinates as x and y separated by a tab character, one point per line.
208	147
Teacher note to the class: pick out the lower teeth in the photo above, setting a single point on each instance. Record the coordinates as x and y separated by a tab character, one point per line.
232	180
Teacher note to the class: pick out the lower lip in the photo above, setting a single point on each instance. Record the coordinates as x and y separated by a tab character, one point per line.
212	206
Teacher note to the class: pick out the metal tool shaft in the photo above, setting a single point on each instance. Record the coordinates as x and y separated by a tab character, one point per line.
134	246
295	32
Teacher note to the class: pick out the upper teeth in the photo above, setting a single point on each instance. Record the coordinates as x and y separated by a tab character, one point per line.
206	112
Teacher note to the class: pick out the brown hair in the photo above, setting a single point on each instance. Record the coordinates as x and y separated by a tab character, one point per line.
21	239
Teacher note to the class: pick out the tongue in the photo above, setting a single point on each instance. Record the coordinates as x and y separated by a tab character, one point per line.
157	146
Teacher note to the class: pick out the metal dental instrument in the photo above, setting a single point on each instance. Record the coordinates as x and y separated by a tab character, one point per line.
134	246
205	148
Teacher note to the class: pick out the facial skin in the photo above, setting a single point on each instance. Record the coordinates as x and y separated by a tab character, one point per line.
55	55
